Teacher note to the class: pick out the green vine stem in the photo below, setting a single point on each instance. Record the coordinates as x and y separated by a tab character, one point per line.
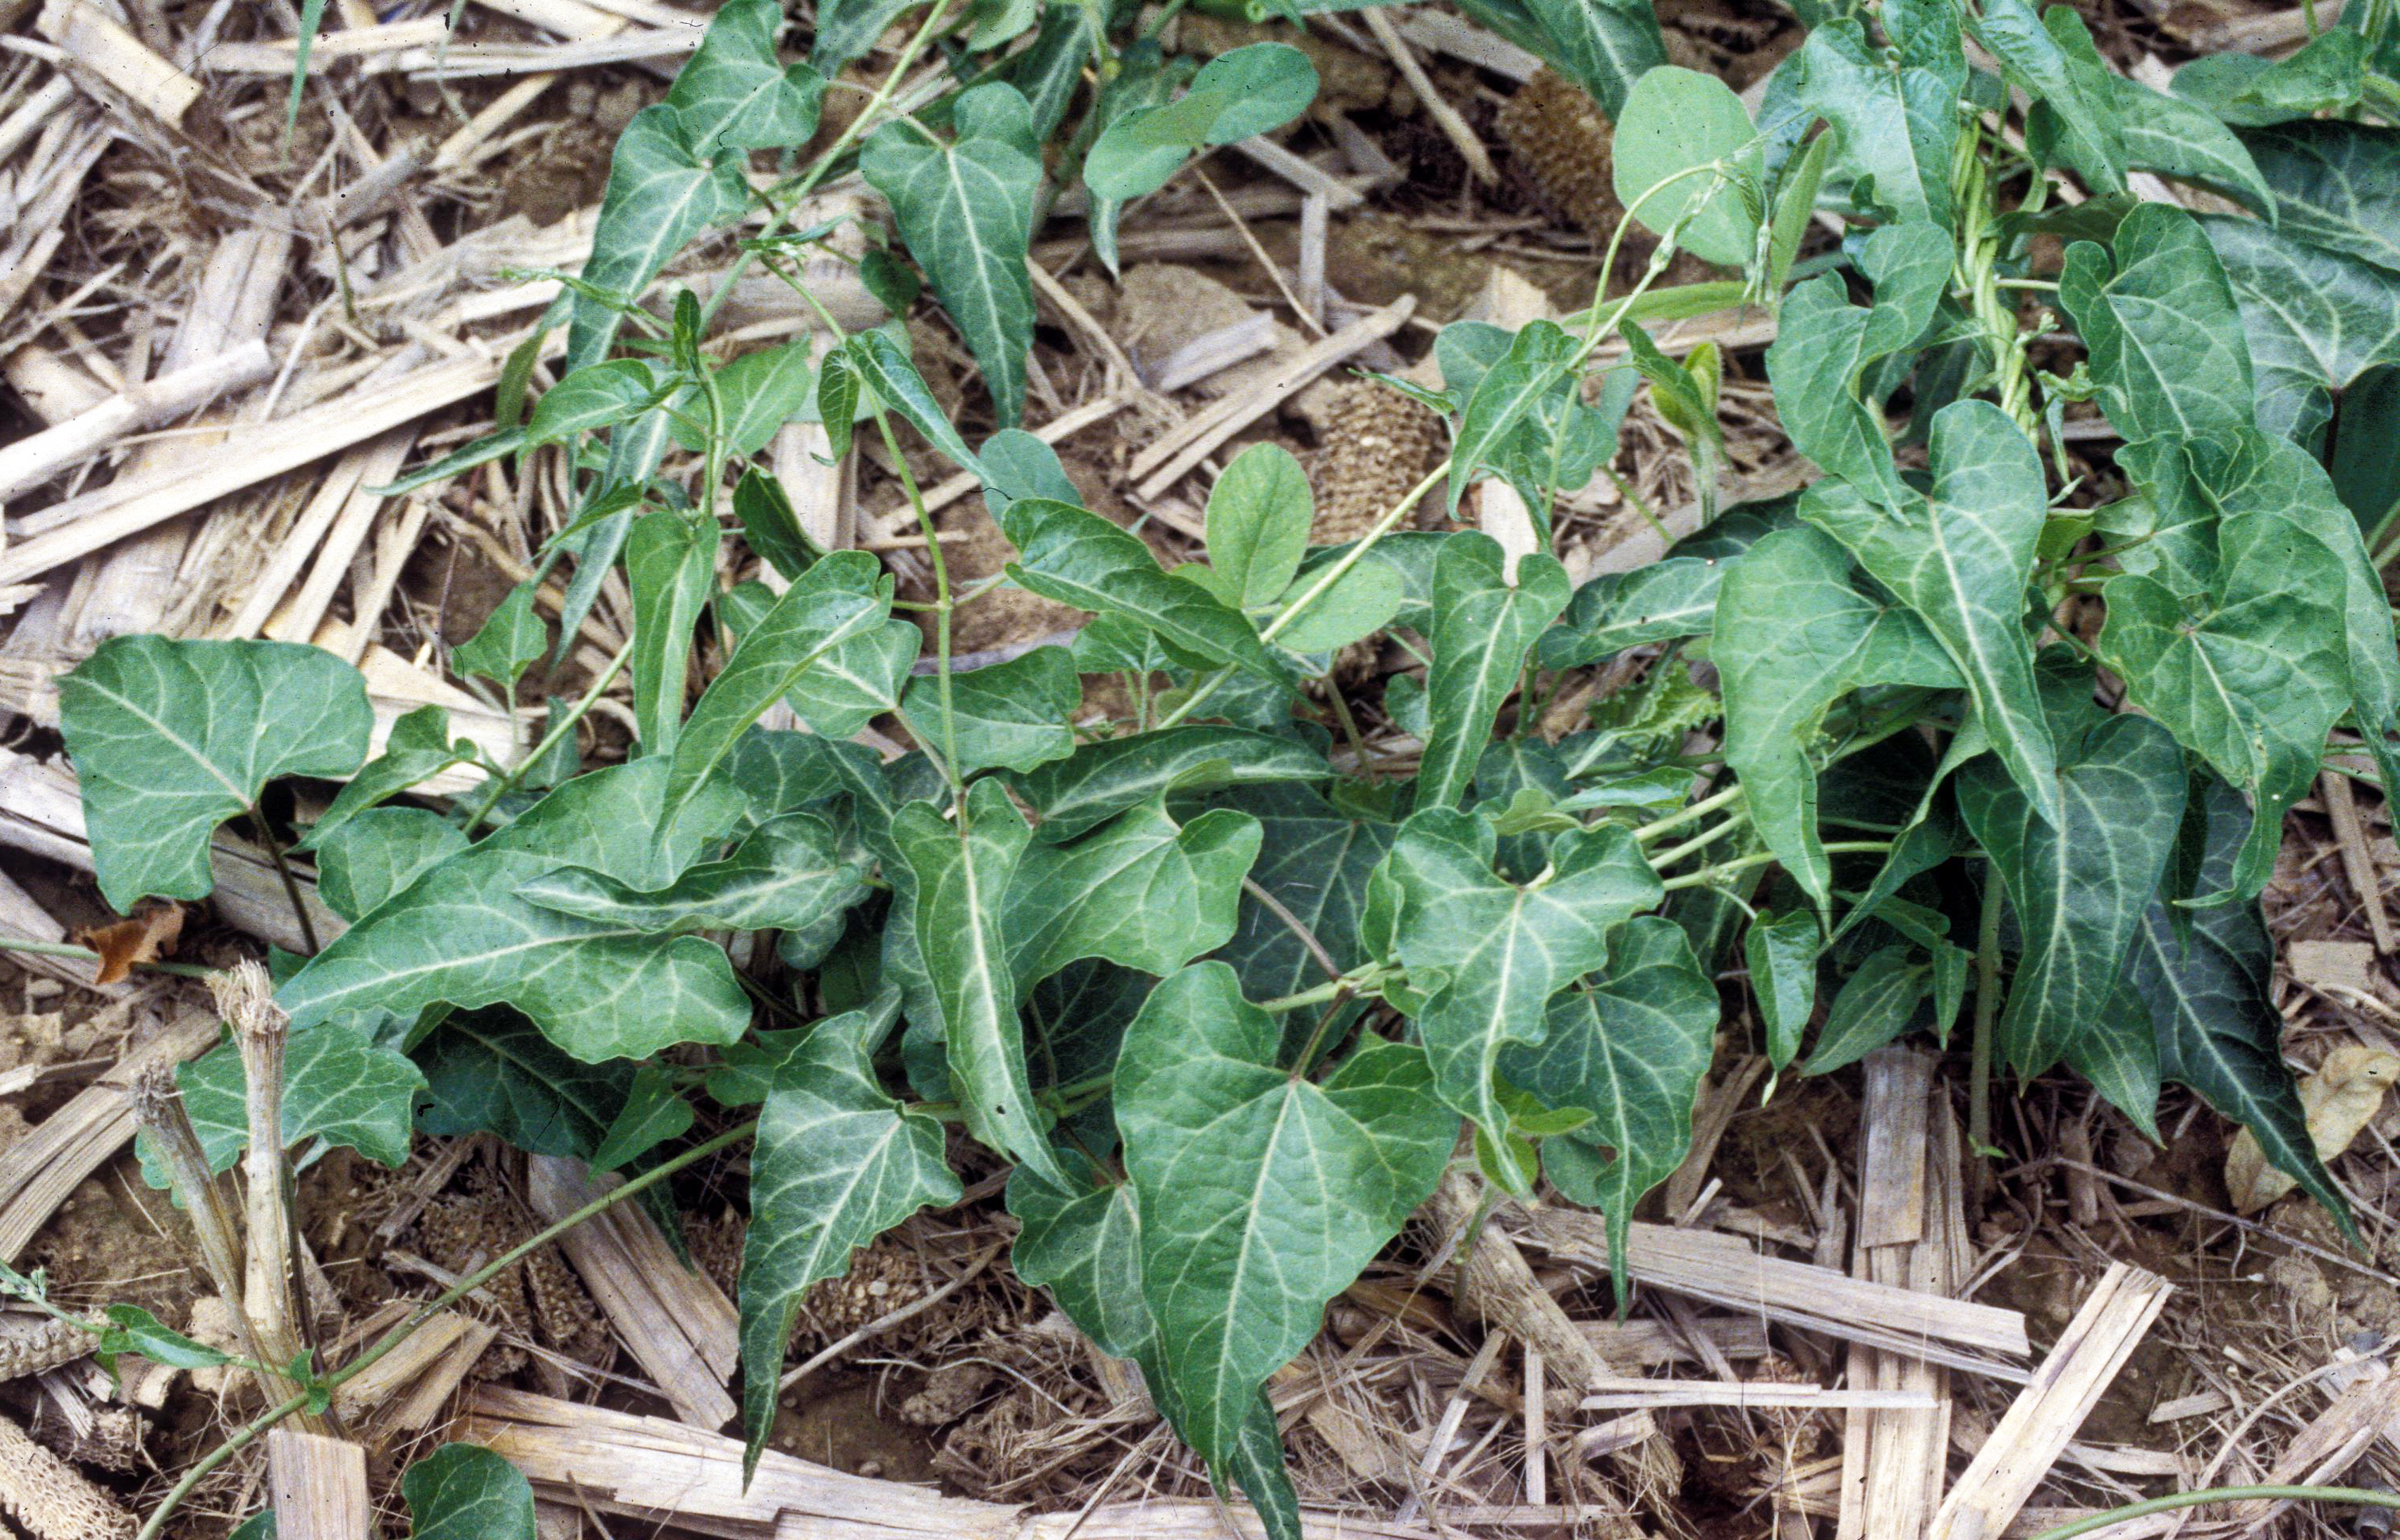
549	740
85	954
2359	1496
155	1526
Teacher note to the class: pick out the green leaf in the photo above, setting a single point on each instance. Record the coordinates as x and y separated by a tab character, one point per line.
880	362
1077	557
1899	126
1655	602
493	1072
1238	1285
1315	863
1015	714
770	527
2240	88
1139	890
1239	93
1781	954
1016	465
1824	344
1504	949
662	190
2173	138
597	396
377	853
1082	1243
462	1492
1873	1007
758	393
2204	977
2078	885
671	566
847	30
789	874
2118	1052
1258	517
962	875
134	1330
2315	320
1674	121
2367	479
1483	627
1102	780
171	738
844	596
734	94
1606	46
511	640
966	212
860	679
1794	635
837	1162
419	746
1960	558
2254	680
1539	360
2051	56
2163	333
1631	1052
338	1086
653	1113
465	933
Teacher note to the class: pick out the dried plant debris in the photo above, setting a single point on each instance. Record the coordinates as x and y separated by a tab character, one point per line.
51	1498
1561	139
1373	444
539	1298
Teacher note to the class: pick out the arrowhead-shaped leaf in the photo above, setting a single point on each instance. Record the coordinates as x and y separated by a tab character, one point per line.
1139	890
1794	635
671	566
2080	885
171	738
733	92
2161	328
1261	1196
837	1164
962	873
464	933
2315	319
1482	629
1077	557
493	1072
662	190
1656	603
1962	559
2337	185
966	212
1824	343
2253	681
1504	949
835	601
338	1086
1102	780
1632	1053
2204	977
1314	862
1013	715
789	874
1873	1007
2171	136
1084	1243
1899	126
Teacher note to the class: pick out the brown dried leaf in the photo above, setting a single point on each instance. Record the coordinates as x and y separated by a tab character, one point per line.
2340	1100
147	937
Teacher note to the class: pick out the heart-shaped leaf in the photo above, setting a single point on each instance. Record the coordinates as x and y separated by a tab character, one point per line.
171	738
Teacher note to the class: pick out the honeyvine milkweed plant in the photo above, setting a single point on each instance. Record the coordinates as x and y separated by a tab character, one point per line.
1995	733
